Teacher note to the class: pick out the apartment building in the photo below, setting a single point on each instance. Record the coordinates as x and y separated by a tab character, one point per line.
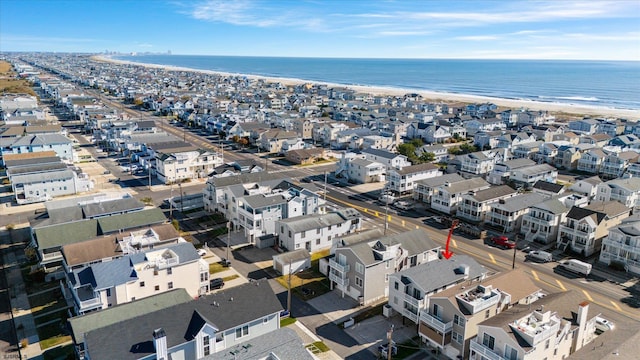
615	165
475	205
361	263
178	162
388	159
315	232
585	227
362	171
424	189
135	276
528	176
625	191
452	316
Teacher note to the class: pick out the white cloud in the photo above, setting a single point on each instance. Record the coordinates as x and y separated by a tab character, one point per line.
478	38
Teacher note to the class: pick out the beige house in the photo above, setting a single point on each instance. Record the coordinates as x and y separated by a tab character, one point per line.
452	316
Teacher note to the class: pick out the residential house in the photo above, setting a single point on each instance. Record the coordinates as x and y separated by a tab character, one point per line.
403	181
477	163
388	159
528	176
548	189
441	154
315	232
62	145
176	162
257	214
555	327
423	189
511	140
489	124
584	126
585	227
186	330
621	246
528	150
410	289
237	168
587	187
625	191
447	197
475	205
82	324
135	276
597	140
542	223
568	157
363	171
304	128
305	156
615	165
627	141
272	140
502	170
450	320
436	134
487	139
507	214
361	263
591	161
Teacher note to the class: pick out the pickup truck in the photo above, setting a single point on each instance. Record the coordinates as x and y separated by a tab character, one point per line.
503	242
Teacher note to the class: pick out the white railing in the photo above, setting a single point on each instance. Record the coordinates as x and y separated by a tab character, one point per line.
409	315
436	323
411	300
484	351
339	267
342	281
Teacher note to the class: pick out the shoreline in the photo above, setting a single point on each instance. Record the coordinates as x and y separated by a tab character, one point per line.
576	110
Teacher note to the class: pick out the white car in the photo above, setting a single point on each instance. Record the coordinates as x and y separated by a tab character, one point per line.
202	252
603	324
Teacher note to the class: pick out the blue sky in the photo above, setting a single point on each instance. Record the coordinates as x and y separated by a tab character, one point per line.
496	29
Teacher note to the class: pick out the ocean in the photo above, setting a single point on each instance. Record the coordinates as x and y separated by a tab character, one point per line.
607	84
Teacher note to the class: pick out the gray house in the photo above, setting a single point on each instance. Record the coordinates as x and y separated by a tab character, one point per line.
362	262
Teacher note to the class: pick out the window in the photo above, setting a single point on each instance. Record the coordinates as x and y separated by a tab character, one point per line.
359	268
205	342
358	282
141	283
317	241
169	271
303	234
458	320
546	344
281	229
487	314
457	337
108	292
318	231
242	331
157	288
510	353
395	285
289	233
488	341
170	285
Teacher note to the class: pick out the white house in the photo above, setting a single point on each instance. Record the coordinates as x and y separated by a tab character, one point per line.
622	245
403	181
448	196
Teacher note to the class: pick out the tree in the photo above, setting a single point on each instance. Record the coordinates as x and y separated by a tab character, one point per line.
417	142
408	150
427	157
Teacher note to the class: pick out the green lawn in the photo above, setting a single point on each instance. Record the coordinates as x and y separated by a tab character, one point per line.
215	268
51	335
287	321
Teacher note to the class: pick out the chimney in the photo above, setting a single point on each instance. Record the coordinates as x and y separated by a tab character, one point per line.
581	335
160	343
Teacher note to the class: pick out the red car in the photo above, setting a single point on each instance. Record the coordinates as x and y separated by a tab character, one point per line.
503	242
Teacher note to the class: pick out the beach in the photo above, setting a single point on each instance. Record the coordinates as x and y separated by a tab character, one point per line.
566	109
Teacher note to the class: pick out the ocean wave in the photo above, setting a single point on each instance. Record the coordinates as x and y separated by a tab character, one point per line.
578	98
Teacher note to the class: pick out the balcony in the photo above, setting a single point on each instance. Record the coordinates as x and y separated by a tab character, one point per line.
410	315
51	257
342	281
339	267
411	300
484	351
435	323
86	298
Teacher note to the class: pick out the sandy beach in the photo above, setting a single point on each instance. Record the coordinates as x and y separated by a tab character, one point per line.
568	109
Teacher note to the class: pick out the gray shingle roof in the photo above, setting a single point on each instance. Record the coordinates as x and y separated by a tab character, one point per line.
63	174
416	168
380	152
493	193
553	206
131	220
520	202
317	221
475	183
440	180
132	338
436	274
102	208
414	242
246	178
283	343
260	200
96	320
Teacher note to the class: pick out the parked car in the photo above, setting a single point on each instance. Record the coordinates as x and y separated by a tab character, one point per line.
577	266
603	324
503	242
216	283
202	252
224	262
540	256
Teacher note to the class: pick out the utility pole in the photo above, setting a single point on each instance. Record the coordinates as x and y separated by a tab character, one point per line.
181	202
171	203
515	248
389	339
228	238
149	171
325	192
289	292
386	212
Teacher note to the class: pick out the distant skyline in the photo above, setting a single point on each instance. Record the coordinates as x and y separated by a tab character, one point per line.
576	30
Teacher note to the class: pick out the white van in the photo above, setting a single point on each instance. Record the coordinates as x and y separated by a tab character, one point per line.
540	256
577	266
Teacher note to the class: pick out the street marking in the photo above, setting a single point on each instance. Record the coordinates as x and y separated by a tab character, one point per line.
455	244
615	305
561	285
417	227
587	295
377	215
493	260
403	223
535	275
389	218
